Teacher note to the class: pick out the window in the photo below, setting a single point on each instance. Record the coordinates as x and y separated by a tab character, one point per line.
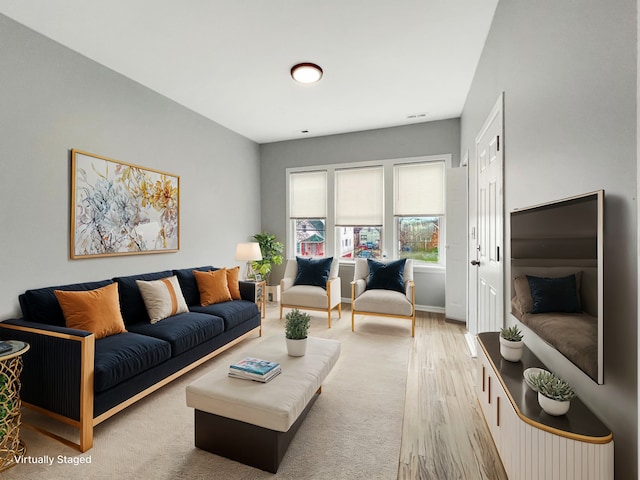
363	242
383	209
359	205
310	237
308	211
418	207
419	238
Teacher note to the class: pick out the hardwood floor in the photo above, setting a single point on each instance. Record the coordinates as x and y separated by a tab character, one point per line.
444	432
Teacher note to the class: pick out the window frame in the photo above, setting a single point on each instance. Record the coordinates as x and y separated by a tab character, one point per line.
389	235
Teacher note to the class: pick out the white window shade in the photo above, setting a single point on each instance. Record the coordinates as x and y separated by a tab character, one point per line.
419	189
359	197
308	195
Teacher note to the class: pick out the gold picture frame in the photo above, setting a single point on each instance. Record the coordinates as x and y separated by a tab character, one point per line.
118	208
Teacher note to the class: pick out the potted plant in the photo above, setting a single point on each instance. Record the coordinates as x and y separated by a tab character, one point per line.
554	394
271	250
296	329
511	343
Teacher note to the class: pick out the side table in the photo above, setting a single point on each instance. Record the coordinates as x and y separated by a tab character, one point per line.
10	405
261	297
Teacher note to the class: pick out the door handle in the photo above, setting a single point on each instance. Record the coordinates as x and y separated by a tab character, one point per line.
475	263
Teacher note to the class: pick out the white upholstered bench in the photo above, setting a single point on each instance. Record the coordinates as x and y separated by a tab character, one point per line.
254	422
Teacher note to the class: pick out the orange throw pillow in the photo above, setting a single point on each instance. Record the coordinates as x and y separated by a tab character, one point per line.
232	282
96	311
213	286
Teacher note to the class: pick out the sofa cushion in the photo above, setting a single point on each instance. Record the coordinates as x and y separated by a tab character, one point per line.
41	305
188	283
307	295
213	286
131	302
123	356
389	302
183	331
163	298
233	313
96	311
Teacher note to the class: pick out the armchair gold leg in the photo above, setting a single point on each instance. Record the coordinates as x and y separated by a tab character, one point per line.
353	297
280	310
328	289
340	310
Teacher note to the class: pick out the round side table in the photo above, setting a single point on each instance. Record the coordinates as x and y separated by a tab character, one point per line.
10	412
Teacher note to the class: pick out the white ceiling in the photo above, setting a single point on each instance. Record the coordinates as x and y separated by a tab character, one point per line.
383	60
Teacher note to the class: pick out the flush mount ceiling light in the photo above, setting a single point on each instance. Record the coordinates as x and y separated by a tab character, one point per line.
306	73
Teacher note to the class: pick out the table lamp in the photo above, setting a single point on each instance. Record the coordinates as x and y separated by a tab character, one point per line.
248	252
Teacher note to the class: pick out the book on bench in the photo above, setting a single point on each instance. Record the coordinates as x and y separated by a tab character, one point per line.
256	378
251	368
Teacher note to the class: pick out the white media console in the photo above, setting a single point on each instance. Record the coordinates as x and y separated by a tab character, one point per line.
532	444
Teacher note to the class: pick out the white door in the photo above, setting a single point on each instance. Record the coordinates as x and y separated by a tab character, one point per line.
456	244
489	247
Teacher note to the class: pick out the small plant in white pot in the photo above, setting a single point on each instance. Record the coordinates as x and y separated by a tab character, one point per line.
511	343
296	330
554	394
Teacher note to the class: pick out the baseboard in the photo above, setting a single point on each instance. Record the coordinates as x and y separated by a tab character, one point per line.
429	308
471	344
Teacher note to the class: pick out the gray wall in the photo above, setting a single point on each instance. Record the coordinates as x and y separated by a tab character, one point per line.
431	138
52	100
568	72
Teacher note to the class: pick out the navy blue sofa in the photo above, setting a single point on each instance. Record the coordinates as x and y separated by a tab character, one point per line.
81	381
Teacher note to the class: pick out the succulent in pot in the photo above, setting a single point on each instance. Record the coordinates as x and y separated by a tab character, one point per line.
296	332
511	343
554	394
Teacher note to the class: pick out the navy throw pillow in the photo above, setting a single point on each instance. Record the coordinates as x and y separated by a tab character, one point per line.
387	276
554	294
313	271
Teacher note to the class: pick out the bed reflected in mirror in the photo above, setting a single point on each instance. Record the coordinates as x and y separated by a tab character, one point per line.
557	276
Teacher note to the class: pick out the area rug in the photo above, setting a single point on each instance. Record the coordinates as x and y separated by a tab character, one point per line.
352	431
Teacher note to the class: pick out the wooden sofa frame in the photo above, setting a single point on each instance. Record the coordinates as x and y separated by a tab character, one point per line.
87	421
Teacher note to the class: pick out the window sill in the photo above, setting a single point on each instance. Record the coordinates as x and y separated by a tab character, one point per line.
428	268
417	267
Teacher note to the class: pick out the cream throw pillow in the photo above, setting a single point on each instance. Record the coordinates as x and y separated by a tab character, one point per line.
163	298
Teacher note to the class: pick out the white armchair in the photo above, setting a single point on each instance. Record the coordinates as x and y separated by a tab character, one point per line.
310	295
380	301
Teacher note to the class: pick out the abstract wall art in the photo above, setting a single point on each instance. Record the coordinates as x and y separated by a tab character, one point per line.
121	209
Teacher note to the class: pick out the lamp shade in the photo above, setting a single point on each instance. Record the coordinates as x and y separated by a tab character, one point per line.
248	251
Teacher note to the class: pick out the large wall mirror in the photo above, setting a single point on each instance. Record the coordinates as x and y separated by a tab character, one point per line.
557	276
